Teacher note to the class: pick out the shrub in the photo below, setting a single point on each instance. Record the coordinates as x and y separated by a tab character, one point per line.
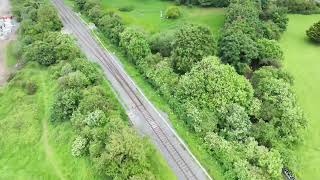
48	19
314	32
88	69
281	119
96	118
41	52
111	24
299	6
237	48
96	13
125	156
127	8
234	123
63	46
30	87
66	69
94	98
135	44
65	104
173	12
162	43
269	52
78	146
74	80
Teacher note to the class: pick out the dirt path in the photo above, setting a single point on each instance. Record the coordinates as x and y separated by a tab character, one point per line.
47	148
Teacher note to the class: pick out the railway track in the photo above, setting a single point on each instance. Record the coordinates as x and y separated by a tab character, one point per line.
141	112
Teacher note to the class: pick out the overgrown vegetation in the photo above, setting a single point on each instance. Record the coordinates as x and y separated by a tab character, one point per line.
84	98
249	123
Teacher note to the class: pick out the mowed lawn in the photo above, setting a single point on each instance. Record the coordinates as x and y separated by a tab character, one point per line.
31	147
302	59
146	14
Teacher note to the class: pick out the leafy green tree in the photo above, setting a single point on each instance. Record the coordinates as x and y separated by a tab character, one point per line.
234	123
65	104
191	44
40	52
112	26
48	19
237	48
211	85
279	108
94	98
96	13
270	30
125	156
135	44
242	9
80	4
245	160
277	15
76	80
269	53
162	43
63	46
271	72
89	69
314	32
159	73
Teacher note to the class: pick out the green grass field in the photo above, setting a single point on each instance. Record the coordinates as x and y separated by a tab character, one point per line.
146	14
31	146
302	59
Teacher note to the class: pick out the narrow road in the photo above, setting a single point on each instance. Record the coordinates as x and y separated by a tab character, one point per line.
141	112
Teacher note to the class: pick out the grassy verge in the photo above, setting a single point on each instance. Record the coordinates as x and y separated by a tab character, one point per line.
31	147
302	59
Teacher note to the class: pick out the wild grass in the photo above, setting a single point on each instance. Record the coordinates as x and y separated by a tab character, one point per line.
32	147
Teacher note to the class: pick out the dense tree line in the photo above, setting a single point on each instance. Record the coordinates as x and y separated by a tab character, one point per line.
300	6
248	34
82	96
241	104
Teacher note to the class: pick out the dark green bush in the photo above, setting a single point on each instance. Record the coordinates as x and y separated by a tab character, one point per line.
135	44
89	69
111	25
127	8
300	6
314	32
173	12
162	43
65	104
30	87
